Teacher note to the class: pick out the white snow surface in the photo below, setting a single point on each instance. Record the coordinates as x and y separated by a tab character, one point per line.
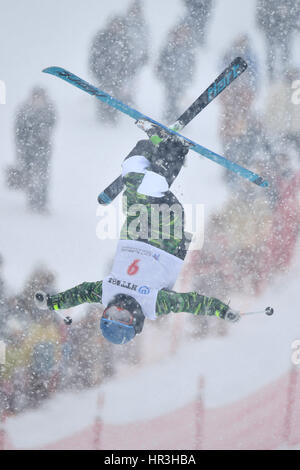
87	156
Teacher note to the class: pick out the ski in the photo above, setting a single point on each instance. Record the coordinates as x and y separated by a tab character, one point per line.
106	98
236	68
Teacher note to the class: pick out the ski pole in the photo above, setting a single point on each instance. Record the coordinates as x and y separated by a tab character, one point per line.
67	320
267	311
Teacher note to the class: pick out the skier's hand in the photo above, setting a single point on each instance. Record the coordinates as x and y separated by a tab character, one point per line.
232	315
41	300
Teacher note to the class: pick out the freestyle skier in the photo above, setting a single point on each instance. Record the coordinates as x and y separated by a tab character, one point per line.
147	262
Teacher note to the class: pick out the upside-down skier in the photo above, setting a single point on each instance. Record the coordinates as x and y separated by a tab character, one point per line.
146	265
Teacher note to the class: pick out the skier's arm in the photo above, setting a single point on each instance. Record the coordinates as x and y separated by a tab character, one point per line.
87	292
192	302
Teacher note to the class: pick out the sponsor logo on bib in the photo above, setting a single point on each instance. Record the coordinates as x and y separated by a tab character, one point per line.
144	290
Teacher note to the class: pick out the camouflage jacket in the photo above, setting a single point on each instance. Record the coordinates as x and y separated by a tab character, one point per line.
167	300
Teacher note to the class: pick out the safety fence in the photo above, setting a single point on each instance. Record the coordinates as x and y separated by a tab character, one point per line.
266	419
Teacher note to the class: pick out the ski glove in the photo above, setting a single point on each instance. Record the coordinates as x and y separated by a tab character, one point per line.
232	315
157	134
41	300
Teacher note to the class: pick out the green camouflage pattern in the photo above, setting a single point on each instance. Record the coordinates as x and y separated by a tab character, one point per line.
168	235
87	292
167	301
190	302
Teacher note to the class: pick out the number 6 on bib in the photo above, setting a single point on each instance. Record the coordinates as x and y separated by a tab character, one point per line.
133	268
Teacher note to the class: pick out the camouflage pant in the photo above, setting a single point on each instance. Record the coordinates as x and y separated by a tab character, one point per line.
158	221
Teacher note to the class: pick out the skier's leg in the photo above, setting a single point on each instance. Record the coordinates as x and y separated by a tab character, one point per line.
159	165
148	171
168	159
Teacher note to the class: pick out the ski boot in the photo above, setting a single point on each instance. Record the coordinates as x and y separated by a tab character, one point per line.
157	134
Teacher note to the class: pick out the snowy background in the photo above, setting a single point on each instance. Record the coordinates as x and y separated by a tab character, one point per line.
86	157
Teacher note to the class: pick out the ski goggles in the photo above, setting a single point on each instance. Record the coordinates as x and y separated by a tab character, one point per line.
118	314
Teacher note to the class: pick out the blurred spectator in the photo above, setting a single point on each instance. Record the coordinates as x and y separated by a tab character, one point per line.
40	279
248	228
33	130
22	305
118	53
282	115
241	131
138	34
1	280
43	355
90	358
244	141
286	216
33	346
278	20
13	377
44	351
102	358
252	239
175	69
236	239
250	78
43	338
197	16
2	295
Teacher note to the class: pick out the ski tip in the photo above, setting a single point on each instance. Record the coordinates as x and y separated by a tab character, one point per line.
52	70
104	199
261	182
47	70
241	62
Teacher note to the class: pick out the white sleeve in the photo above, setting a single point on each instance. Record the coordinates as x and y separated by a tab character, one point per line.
153	184
135	164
